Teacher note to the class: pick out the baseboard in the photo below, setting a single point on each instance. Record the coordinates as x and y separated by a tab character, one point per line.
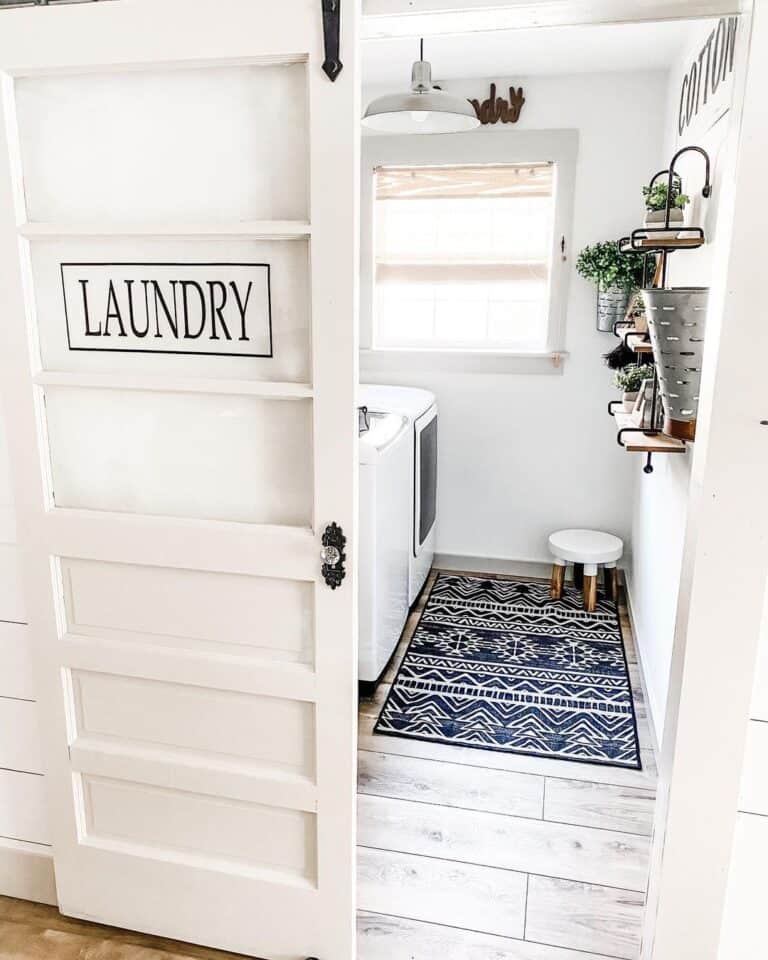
511	568
26	871
641	664
542	569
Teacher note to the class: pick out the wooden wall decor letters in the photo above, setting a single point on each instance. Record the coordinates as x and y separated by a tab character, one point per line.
210	309
496	109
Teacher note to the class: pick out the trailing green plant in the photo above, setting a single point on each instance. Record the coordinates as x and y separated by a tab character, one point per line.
656	196
604	265
630	378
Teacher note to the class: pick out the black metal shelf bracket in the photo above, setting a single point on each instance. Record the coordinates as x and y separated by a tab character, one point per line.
332	65
644	430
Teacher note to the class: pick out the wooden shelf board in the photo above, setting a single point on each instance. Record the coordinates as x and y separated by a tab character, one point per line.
672	243
636	342
640	443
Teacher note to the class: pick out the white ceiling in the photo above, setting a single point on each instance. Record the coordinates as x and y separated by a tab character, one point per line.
518	53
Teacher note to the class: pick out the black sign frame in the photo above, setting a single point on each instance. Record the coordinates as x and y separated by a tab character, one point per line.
157	263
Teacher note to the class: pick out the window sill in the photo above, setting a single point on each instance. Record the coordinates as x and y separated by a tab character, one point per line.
549	363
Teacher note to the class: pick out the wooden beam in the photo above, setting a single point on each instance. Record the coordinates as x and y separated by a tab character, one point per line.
406	18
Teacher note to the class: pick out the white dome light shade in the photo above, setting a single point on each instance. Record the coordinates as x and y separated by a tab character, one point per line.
423	109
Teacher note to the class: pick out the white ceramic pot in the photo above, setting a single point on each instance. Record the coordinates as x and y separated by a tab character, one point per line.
657	218
628	401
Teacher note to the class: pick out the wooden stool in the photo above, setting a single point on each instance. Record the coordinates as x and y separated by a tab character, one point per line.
586	550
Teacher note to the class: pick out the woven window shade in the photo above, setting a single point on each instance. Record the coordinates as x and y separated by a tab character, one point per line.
494	181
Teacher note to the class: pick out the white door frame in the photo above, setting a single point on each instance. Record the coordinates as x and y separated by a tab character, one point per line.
725	562
413	18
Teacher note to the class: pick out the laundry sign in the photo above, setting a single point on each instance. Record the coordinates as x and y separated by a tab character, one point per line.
211	309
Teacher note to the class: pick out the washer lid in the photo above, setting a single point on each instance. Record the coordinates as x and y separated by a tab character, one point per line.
409	401
385	430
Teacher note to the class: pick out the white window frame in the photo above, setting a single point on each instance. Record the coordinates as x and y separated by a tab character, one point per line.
482	146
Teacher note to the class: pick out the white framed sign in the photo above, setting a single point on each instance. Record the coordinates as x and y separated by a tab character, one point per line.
209	309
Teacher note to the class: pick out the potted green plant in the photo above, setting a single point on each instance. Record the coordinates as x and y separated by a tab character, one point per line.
655	196
629	379
617	276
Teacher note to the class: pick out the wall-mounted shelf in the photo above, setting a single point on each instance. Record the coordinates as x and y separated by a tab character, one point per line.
656	242
644	242
644	442
634	339
637	343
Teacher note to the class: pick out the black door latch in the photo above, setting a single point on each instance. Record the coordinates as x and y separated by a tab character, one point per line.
332	65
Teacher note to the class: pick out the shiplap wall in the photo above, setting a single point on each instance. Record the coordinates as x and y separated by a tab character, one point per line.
26	866
743	936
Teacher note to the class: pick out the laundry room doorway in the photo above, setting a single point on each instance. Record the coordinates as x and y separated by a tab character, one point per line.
520	735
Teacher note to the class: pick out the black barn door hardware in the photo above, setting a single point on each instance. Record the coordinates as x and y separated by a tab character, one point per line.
332	65
333	555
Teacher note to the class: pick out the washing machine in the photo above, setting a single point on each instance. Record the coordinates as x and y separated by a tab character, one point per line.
419	407
384	538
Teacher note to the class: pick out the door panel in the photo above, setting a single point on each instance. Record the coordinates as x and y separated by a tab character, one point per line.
191	159
203	456
182	827
271	732
260	616
290	307
196	675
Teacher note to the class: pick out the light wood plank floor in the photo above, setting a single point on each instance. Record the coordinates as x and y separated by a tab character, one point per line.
463	855
471	854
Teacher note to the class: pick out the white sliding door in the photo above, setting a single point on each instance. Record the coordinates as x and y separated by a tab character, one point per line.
178	199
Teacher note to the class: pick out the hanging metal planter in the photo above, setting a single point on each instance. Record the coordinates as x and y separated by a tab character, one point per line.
677	322
612	306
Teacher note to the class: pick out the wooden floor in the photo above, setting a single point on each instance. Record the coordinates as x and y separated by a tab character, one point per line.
463	855
467	854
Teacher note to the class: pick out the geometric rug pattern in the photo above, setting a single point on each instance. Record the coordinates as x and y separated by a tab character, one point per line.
499	665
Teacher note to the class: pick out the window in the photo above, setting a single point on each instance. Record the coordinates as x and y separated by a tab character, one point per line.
463	257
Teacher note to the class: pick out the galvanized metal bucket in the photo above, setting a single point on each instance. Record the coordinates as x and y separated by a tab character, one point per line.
677	322
612	305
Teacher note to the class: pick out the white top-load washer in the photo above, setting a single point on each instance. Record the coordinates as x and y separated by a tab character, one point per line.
419	407
384	539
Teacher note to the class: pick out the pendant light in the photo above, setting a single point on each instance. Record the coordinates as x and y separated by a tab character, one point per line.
423	109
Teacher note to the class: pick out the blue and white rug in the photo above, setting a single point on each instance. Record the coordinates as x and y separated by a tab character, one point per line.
498	665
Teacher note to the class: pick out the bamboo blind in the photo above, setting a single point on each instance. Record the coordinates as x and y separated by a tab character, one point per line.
508	180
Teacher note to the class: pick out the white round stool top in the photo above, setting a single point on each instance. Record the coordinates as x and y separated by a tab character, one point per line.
585	546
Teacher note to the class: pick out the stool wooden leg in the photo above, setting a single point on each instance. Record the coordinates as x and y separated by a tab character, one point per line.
558	578
590	594
578	575
612	582
590	587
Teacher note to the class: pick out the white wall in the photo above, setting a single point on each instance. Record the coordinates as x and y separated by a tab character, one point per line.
522	455
660	504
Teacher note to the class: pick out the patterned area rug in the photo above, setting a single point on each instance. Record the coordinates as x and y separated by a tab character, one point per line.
498	665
